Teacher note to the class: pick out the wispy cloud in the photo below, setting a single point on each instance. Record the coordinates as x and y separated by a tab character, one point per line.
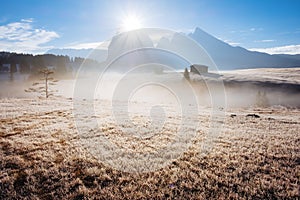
234	44
249	30
256	29
23	37
264	41
29	20
88	45
231	42
289	49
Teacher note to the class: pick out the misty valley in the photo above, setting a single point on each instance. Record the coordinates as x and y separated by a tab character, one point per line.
124	100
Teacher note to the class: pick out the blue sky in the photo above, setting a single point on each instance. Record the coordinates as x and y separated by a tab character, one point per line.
34	26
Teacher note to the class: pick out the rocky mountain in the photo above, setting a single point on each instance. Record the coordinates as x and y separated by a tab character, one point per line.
225	56
228	57
137	49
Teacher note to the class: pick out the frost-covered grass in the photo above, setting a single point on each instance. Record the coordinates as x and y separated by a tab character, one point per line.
273	75
42	156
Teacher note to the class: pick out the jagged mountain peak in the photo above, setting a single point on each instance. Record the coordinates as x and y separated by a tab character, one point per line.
223	54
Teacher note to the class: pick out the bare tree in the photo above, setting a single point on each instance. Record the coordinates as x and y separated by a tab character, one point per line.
43	85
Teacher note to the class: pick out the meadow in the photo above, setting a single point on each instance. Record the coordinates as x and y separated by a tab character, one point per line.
255	155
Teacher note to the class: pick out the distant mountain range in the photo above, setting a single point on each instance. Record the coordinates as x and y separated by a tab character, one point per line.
225	56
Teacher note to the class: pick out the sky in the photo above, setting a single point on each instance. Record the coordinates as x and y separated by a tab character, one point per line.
35	26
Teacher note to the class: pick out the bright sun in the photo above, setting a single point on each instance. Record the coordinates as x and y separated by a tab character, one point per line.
131	22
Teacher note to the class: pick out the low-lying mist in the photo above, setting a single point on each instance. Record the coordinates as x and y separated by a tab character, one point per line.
167	88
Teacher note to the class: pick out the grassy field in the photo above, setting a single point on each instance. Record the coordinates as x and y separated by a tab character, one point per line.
41	156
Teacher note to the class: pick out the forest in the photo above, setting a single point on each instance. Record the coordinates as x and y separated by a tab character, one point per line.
31	64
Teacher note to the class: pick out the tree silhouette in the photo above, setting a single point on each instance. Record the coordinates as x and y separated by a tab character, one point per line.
42	86
186	74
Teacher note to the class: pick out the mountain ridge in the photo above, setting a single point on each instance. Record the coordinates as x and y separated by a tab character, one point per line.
229	57
225	56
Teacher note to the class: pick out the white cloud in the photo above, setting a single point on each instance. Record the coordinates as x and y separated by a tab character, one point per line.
231	42
290	49
264	41
22	37
234	44
89	45
27	20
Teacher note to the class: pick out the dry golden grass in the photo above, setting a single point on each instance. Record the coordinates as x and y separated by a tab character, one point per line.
257	158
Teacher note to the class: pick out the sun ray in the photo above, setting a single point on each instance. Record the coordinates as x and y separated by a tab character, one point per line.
131	22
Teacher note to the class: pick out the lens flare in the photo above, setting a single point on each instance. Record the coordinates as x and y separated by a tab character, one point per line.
131	22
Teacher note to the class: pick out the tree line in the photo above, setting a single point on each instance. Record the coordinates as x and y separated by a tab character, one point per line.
32	64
